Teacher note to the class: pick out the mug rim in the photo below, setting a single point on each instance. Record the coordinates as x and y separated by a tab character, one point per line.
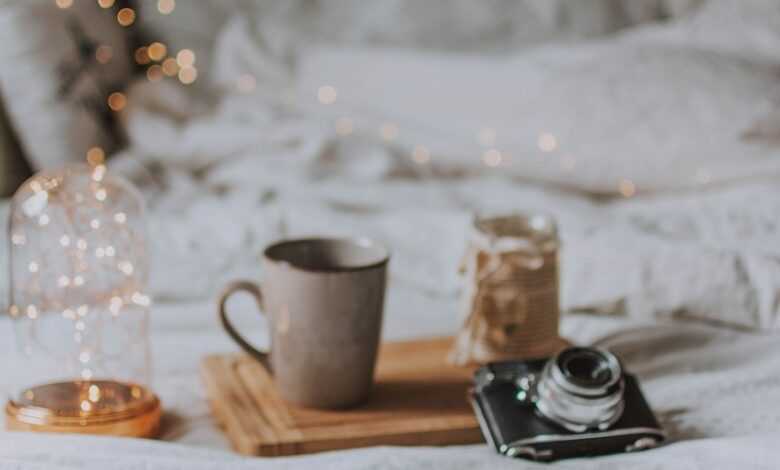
363	242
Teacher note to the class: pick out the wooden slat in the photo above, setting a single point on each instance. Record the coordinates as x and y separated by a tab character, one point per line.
243	420
418	399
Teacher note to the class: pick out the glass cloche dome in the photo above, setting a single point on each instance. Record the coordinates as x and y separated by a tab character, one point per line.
78	301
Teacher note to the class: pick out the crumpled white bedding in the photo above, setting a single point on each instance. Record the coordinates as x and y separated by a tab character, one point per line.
711	255
714	390
64	453
275	155
684	284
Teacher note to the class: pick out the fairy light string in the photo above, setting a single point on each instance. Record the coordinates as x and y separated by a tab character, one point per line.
78	253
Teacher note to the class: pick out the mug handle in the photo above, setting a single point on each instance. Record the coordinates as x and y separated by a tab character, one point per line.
229	290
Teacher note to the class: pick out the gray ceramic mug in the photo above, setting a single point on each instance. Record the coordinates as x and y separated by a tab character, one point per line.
324	299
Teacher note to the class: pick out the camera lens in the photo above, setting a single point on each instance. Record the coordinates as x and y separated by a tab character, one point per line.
581	388
586	367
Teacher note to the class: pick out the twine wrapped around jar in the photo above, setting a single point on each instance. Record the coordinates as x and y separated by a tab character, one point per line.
510	298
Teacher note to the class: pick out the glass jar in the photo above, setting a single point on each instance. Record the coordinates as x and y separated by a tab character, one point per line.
78	273
510	297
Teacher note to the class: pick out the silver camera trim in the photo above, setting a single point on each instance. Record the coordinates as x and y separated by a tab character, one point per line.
575	407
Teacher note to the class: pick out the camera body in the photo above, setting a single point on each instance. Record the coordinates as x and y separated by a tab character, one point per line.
578	403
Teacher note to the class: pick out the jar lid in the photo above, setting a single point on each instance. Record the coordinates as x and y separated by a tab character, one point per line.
104	407
516	231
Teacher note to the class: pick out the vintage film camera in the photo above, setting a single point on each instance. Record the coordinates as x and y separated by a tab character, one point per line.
578	403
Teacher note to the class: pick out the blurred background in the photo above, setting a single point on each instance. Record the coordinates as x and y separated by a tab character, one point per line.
587	81
245	121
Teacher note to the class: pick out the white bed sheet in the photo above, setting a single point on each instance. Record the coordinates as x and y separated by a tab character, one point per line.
714	390
661	281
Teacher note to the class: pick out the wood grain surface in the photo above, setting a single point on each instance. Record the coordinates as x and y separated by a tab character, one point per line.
417	399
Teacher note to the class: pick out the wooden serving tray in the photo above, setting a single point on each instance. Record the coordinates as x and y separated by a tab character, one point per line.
417	399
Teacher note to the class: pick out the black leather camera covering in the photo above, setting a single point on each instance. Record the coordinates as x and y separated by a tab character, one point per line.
515	428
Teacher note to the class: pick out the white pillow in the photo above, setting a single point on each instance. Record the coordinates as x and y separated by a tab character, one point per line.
37	49
281	28
748	28
604	117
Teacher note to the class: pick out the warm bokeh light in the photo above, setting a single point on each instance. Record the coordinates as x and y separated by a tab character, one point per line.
64	3
421	154
170	67
117	101
156	51
185	58
166	7
492	157
327	94
125	16
627	188
547	142
103	54
154	73
388	131
142	56
106	3
99	172
96	156
188	75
